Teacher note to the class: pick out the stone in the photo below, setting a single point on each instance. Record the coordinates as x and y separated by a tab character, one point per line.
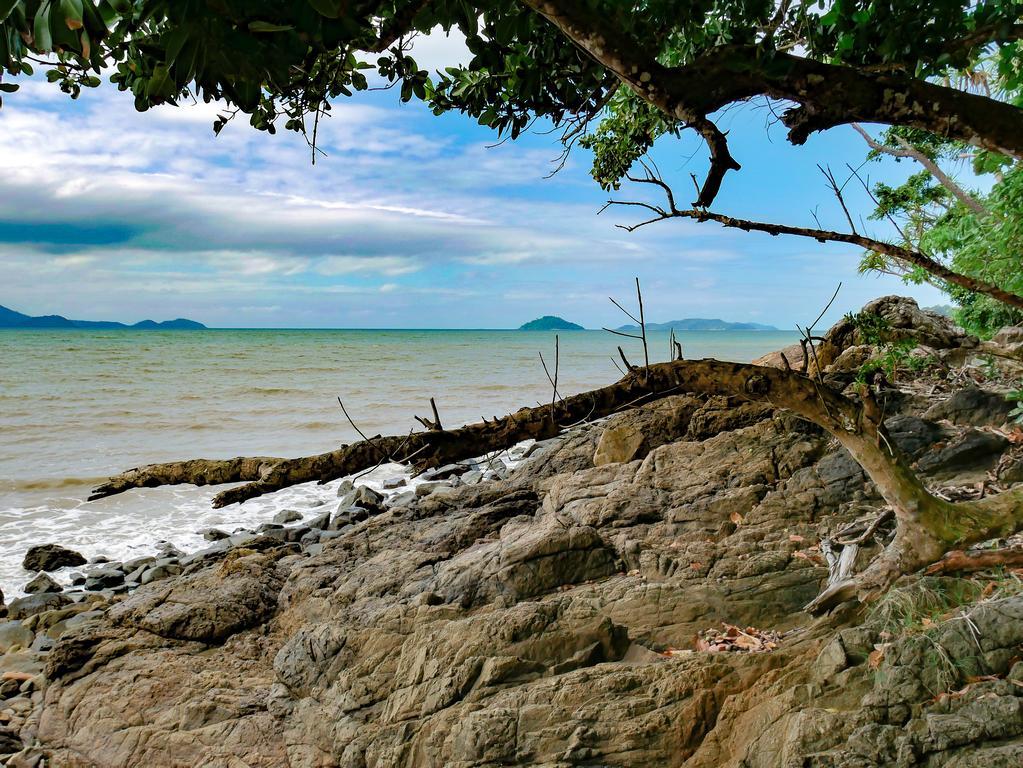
10	742
369	499
136	562
972	406
402	499
214	534
428	487
23	607
166	549
104	578
295	533
444	472
14	634
618	444
160	570
793	353
287	516
51	557
1009	341
320	521
208	606
77	579
975	450
42	583
393	483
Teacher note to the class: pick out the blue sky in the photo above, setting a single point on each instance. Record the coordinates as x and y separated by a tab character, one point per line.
407	221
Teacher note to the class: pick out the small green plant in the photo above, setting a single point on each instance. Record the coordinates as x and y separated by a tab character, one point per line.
1016	397
895	355
989	367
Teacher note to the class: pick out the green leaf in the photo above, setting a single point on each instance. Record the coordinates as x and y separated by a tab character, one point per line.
329	8
41	39
9	87
266	26
6	6
72	12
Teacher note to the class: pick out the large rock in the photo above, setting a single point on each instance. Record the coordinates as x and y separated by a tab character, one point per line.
972	406
14	634
42	583
208	606
50	557
1009	341
23	607
905	320
618	444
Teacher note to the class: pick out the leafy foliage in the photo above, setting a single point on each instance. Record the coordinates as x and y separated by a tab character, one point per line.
1016	397
894	356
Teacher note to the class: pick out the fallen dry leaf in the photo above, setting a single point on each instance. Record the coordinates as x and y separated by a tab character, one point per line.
876	656
796	537
736	518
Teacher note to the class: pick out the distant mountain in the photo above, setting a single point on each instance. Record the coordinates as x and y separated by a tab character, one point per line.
11	319
550	323
941	309
700	324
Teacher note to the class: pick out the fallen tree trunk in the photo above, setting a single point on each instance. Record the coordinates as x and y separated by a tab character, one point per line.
437	447
926	526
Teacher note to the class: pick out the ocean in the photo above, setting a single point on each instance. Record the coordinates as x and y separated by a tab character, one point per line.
78	406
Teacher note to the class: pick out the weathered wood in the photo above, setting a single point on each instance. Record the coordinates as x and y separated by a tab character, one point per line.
959	561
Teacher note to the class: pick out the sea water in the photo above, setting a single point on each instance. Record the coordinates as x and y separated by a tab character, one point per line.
78	406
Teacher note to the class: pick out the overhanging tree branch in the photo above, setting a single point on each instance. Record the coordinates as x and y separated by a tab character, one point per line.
825	95
901	253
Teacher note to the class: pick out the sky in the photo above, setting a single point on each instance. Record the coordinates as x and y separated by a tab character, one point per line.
405	221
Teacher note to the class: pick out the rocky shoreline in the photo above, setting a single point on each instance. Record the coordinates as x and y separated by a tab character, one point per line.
628	594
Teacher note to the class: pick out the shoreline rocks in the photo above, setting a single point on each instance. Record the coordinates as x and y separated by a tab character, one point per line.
51	557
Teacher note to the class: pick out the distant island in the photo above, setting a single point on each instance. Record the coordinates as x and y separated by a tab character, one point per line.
11	319
550	323
700	324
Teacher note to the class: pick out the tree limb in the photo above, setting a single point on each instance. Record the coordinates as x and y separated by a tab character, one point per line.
903	254
907	150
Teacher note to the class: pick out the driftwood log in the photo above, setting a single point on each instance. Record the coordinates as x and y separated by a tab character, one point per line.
926	526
